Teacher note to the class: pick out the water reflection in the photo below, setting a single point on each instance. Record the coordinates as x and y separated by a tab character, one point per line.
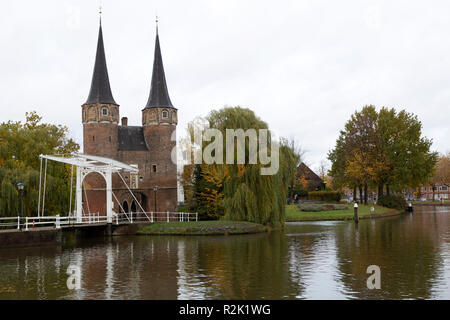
314	260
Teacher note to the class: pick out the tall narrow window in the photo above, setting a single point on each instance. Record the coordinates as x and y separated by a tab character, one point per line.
105	111
165	114
134	178
154	168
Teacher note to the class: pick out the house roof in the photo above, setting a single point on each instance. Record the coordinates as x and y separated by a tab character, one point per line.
131	138
305	171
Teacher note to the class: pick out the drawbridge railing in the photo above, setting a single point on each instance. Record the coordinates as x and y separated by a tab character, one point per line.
136	217
27	223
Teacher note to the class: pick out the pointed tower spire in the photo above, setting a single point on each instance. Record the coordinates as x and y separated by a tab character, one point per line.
159	95
100	88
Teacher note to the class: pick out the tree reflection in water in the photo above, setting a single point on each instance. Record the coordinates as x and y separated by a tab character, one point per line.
313	260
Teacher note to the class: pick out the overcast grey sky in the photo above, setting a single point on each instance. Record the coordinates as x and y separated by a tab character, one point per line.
303	66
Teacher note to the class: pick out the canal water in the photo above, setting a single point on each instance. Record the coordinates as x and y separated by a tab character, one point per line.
310	260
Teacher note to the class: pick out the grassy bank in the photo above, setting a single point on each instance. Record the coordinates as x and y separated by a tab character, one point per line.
293	213
202	228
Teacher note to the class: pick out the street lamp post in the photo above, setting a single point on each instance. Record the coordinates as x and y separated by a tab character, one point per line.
20	187
155	188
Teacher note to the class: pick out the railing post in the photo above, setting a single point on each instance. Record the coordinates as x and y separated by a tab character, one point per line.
58	222
18	223
117	219
168	220
26	224
196	216
151	216
131	216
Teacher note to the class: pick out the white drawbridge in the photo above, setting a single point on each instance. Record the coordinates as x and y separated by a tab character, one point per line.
86	164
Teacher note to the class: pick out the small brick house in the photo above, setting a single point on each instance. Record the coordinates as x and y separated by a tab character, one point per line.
147	147
312	180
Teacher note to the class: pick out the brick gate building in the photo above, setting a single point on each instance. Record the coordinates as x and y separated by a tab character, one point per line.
148	147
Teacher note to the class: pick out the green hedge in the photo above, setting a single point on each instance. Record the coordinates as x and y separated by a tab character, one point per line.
299	192
327	196
392	201
318	207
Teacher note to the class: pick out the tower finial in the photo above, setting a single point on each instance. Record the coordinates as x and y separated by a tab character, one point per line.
100	13
156	21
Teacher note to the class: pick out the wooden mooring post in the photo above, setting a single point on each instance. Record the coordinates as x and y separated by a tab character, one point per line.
355	210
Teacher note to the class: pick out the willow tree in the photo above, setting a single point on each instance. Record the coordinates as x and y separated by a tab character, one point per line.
20	147
239	189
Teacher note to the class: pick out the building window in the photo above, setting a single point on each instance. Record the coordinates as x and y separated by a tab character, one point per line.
165	114
154	168
444	188
93	138
134	177
105	111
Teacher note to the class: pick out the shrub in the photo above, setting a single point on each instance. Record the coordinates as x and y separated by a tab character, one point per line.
328	196
310	207
300	192
392	201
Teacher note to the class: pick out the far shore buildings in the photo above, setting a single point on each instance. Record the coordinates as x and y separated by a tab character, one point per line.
147	147
438	192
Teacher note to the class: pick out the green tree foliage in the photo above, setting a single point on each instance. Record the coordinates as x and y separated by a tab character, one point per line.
384	148
20	147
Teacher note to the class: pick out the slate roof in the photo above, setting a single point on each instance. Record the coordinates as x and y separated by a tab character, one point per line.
100	88
159	95
131	138
304	171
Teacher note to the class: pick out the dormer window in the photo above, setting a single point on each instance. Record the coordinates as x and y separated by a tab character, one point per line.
165	114
104	111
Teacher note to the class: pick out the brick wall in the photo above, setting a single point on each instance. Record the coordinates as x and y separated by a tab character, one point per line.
100	137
